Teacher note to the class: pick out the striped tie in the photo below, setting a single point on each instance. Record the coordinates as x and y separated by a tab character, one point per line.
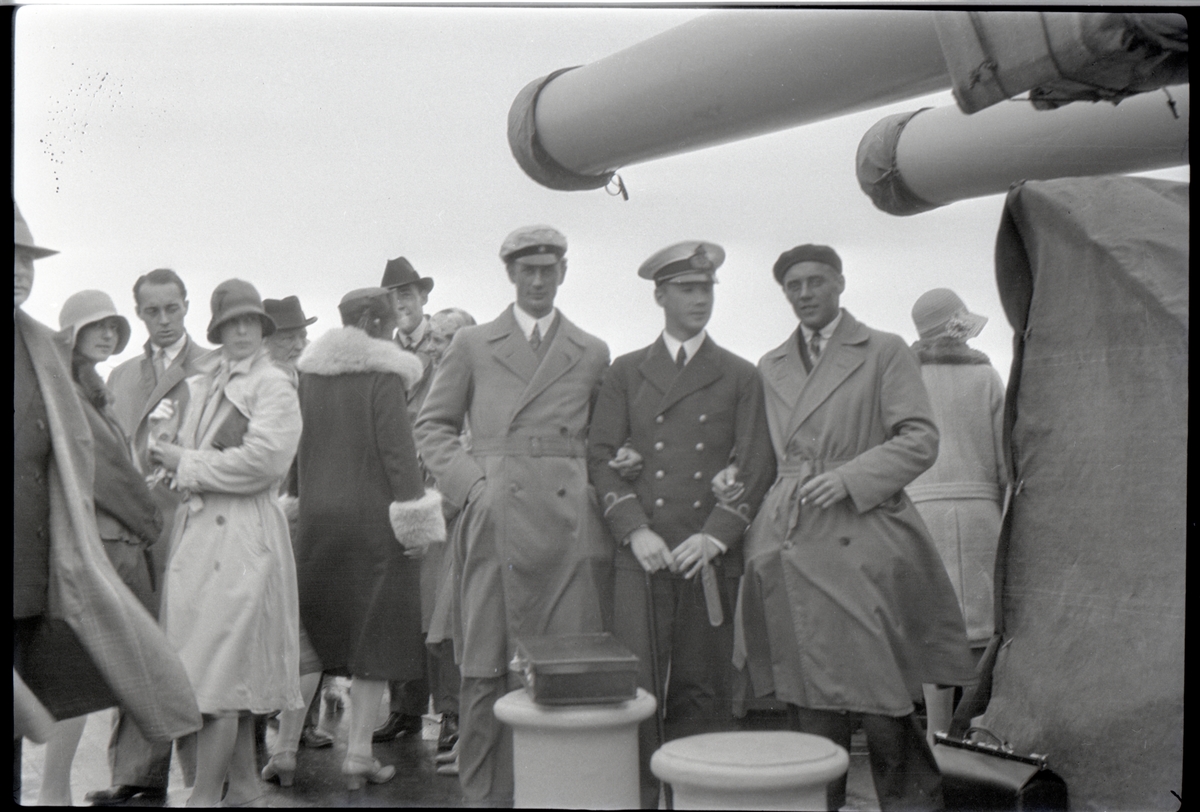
535	338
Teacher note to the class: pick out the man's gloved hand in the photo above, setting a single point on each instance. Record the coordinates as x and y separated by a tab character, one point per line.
627	463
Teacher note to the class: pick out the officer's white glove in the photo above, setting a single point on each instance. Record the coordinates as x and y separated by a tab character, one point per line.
627	463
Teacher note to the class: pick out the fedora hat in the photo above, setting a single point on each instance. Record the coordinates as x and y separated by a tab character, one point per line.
399	272
940	312
88	307
287	313
23	237
233	298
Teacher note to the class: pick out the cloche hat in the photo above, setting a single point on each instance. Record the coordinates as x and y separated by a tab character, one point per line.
940	312
88	307
233	298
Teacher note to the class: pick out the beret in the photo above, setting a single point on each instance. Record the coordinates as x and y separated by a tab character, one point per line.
544	242
806	253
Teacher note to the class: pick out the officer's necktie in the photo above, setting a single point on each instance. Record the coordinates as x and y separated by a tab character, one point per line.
814	346
681	358
535	338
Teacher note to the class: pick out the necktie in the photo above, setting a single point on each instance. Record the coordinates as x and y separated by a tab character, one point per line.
535	338
160	363
814	346
681	358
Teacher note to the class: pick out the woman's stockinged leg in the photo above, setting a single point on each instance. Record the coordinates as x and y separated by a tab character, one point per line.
60	754
214	750
291	722
365	696
244	785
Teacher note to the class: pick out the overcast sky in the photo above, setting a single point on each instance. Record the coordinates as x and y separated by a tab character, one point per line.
299	148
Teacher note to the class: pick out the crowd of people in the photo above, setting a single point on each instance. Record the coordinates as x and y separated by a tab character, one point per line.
402	500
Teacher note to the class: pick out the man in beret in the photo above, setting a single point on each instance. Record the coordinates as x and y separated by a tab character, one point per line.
688	408
847	608
534	552
409	292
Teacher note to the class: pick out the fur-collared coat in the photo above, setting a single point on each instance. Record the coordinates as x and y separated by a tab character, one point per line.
362	501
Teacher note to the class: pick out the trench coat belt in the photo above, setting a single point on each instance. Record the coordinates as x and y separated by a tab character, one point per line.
791	473
955	490
527	445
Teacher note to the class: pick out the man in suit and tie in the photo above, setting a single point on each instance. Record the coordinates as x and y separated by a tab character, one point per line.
139	767
534	552
846	606
689	408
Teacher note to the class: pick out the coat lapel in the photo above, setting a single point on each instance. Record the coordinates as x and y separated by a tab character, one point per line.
564	353
657	367
175	373
783	371
843	355
699	373
510	348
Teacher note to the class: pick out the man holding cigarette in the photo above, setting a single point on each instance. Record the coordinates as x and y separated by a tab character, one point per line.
688	409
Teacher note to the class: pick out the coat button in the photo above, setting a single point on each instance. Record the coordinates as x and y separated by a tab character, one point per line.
562	491
220	520
515	488
845	541
787	545
658	446
658	419
659	474
703	418
659	502
696	505
698	475
699	446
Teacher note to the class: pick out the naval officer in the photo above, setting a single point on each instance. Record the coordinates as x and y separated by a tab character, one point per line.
689	409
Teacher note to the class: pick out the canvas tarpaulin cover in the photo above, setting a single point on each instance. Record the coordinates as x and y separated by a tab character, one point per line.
1093	276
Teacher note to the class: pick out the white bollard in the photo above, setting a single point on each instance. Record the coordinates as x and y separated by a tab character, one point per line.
774	769
574	756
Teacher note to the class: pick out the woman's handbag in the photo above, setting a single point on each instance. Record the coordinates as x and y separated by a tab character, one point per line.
980	775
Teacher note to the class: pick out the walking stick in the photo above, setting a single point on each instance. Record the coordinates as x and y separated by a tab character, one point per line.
660	708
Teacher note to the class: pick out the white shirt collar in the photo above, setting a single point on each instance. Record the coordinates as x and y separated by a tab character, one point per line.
826	331
526	321
172	351
689	347
411	340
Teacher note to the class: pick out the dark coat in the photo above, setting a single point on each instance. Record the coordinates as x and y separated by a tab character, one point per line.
849	608
687	426
534	552
359	592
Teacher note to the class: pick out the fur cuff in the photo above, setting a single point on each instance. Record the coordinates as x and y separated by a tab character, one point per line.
418	523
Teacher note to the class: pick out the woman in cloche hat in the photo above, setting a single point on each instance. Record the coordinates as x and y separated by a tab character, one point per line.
959	498
126	515
230	604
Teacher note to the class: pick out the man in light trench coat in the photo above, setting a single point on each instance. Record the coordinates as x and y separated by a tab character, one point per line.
535	555
846	606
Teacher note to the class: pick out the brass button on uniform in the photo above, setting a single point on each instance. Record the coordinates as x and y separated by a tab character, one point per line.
703	418
696	505
658	419
698	475
699	446
658	446
659	502
659	474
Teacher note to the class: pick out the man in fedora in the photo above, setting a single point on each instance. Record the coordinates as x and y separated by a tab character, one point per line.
534	552
846	606
140	768
291	332
687	407
409	292
81	640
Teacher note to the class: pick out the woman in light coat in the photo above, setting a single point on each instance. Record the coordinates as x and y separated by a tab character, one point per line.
230	604
960	496
128	520
365	516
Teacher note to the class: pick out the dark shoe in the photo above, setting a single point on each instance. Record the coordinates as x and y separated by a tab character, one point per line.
449	733
314	739
397	724
122	794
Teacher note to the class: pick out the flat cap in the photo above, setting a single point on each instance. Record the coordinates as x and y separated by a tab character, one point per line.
537	245
806	253
362	293
689	261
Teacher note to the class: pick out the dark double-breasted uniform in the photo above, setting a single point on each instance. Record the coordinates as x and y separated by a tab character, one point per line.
687	424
